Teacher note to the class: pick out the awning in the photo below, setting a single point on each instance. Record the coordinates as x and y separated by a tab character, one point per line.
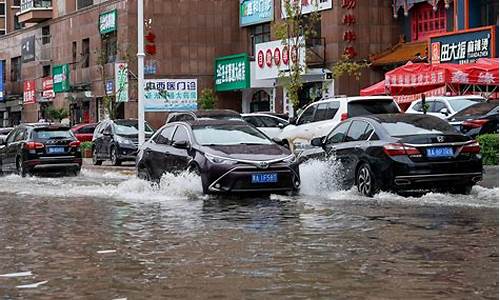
401	53
374	90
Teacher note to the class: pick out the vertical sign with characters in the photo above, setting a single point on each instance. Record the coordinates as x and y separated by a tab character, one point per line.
60	74
170	95
232	72
121	82
29	89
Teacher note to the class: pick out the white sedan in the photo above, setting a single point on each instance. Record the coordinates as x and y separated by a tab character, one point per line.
443	107
271	125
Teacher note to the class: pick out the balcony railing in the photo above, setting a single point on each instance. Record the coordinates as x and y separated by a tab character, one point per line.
30	4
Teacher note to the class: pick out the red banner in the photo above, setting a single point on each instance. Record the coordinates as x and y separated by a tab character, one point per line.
48	88
29	95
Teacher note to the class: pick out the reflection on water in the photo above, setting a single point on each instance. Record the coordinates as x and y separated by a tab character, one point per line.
108	236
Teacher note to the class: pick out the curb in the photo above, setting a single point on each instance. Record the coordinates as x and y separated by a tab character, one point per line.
490	177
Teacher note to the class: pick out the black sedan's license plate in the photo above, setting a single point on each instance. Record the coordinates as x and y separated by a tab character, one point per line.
265	178
55	150
435	152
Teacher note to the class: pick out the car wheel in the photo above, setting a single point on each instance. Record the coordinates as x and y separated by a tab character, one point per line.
73	172
21	171
465	189
143	173
195	169
95	161
115	161
366	182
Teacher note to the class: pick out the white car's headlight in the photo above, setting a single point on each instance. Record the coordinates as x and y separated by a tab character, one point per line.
219	160
291	159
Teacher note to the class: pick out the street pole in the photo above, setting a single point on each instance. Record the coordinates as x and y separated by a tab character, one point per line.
140	69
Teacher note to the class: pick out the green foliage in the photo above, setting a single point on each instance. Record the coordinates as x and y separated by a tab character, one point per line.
346	66
85	146
489	148
57	114
289	30
207	99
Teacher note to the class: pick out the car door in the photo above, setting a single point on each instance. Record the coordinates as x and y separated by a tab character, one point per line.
270	126
352	149
8	153
300	135
179	158
157	155
97	139
323	118
107	140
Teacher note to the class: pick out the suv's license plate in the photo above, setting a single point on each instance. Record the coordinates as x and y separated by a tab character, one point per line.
265	178
439	152
54	150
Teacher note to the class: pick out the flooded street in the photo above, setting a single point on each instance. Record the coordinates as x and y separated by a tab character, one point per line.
108	235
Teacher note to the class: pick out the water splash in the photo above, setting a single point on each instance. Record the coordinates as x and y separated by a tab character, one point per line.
320	177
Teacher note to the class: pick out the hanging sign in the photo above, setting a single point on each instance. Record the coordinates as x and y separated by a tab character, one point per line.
170	95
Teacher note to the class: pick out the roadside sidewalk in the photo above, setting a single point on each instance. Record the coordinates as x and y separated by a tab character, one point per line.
490	177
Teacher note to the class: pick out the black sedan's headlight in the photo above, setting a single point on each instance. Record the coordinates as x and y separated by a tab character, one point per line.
220	160
291	159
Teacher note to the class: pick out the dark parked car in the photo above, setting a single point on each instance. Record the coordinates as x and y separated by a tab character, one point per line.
117	140
230	156
31	148
401	152
84	132
477	119
216	114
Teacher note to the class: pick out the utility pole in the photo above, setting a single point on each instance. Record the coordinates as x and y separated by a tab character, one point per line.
140	69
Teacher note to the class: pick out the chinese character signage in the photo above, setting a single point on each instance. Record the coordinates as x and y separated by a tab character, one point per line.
274	57
29	92
48	88
256	12
28	49
109	87
107	22
232	72
2	95
170	95
121	82
462	47
60	74
308	6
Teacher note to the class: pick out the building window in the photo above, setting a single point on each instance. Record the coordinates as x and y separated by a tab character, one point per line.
85	53
489	12
17	25
259	34
15	69
260	102
46	71
17	2
84	3
2	9
4	71
2	32
109	47
425	21
315	36
45	35
74	51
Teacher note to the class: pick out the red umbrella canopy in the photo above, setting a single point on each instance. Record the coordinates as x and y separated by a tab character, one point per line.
374	90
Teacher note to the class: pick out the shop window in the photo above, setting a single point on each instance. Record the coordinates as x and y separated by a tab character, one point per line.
259	34
425	21
15	69
260	102
45	35
85	53
109	46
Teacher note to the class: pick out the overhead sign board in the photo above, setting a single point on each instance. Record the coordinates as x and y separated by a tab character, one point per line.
108	21
232	72
170	95
275	57
463	47
256	11
308	6
60	74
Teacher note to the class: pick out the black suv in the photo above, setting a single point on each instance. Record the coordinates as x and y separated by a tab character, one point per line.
117	140
39	147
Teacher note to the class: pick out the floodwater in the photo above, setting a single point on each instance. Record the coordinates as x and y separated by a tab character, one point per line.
106	235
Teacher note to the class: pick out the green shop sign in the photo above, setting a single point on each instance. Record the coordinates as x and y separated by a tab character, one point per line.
60	74
232	72
107	22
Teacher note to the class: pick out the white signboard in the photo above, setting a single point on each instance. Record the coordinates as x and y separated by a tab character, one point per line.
308	6
121	82
274	57
170	95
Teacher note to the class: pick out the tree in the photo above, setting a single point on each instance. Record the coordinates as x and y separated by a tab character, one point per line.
57	114
294	31
347	66
207	99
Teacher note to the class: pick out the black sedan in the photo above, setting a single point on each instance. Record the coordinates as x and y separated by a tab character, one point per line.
230	156
401	152
477	119
31	148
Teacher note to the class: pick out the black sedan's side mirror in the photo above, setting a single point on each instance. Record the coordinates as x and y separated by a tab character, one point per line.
444	111
181	144
317	142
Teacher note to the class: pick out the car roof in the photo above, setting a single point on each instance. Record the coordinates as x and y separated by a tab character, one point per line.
263	114
46	125
451	98
207	122
395	117
352	99
215	112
